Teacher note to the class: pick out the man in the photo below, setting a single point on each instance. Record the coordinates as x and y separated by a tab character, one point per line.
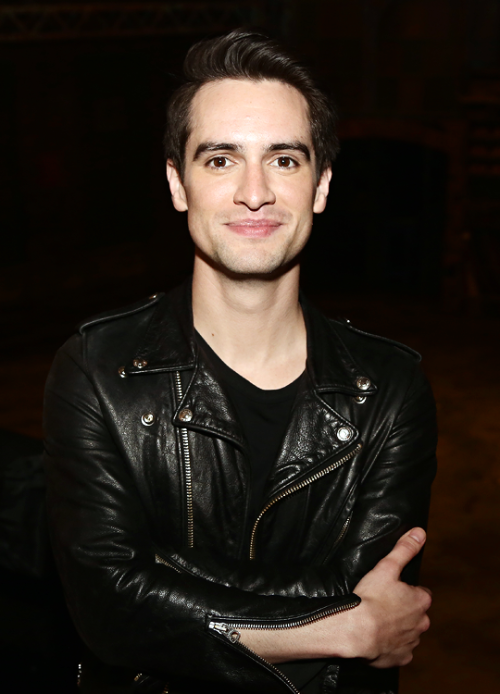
236	482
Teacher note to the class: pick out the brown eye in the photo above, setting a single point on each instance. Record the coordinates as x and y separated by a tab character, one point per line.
284	162
219	162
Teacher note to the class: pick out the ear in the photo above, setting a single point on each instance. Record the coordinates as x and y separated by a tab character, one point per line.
322	191
177	190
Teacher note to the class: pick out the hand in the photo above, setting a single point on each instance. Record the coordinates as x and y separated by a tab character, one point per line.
386	627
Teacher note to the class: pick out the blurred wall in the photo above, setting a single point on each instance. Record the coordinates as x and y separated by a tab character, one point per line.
84	209
425	72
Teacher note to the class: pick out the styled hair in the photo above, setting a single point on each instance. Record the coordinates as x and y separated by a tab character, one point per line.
245	55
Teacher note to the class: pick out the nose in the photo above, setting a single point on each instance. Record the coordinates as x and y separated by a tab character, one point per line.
254	188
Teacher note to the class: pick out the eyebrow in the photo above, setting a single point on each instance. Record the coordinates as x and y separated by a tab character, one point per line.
293	146
231	147
215	147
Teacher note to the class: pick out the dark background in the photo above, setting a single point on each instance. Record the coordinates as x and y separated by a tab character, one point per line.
409	245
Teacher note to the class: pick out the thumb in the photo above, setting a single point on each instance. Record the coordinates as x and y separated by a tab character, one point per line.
406	548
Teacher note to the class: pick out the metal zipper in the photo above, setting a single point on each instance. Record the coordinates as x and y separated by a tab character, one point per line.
233	636
160	560
186	455
230	631
296	488
342	533
280	624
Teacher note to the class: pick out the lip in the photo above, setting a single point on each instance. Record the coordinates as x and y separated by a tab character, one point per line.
254	228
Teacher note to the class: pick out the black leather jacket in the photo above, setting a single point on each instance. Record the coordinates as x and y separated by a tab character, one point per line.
148	492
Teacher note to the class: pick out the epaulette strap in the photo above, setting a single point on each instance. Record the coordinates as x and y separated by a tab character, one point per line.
120	313
388	340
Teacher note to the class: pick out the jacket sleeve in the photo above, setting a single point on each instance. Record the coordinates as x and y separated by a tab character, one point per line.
395	488
131	611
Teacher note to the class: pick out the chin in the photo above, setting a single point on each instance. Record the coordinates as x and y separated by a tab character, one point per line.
255	266
245	263
268	267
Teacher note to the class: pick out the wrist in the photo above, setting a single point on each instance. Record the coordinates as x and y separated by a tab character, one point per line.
358	632
337	636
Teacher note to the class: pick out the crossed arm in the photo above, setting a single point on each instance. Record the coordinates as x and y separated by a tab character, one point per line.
384	628
394	496
134	613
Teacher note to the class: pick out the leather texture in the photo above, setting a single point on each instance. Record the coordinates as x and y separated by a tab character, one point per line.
118	493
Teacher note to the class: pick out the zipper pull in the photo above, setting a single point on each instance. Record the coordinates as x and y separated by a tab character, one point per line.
229	632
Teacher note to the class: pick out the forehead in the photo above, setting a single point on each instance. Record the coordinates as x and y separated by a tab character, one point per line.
241	109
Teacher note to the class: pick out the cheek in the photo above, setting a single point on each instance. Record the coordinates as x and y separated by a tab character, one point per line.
208	195
205	207
298	198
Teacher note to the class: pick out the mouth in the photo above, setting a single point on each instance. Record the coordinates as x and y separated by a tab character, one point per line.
254	228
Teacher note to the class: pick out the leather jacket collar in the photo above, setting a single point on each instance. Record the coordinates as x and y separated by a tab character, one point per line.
169	345
316	431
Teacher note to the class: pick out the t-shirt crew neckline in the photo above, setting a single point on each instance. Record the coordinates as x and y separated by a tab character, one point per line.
246	387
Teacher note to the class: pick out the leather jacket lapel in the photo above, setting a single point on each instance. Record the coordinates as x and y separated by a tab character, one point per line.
168	344
212	411
313	438
331	365
316	432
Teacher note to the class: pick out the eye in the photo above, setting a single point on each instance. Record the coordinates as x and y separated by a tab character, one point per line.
218	162
285	162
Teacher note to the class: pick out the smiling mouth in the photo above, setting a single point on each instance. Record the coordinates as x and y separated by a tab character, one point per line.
254	228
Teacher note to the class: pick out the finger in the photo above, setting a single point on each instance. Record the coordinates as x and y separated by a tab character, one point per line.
406	548
406	660
425	599
425	625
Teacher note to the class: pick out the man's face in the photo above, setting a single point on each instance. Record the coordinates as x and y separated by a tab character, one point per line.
249	185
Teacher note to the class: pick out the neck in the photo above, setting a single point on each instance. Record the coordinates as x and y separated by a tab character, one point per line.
255	325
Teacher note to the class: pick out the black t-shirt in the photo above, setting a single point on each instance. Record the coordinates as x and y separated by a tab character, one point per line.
264	417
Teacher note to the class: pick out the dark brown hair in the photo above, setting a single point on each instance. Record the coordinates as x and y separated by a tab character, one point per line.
245	55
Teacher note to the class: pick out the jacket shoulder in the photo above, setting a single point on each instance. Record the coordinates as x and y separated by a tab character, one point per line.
375	353
123	312
365	337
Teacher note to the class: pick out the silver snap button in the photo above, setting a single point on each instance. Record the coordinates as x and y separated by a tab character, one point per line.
153	296
147	419
140	363
185	415
344	434
360	399
363	383
121	372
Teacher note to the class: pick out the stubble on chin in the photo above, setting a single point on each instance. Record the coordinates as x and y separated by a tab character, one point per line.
252	262
249	258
